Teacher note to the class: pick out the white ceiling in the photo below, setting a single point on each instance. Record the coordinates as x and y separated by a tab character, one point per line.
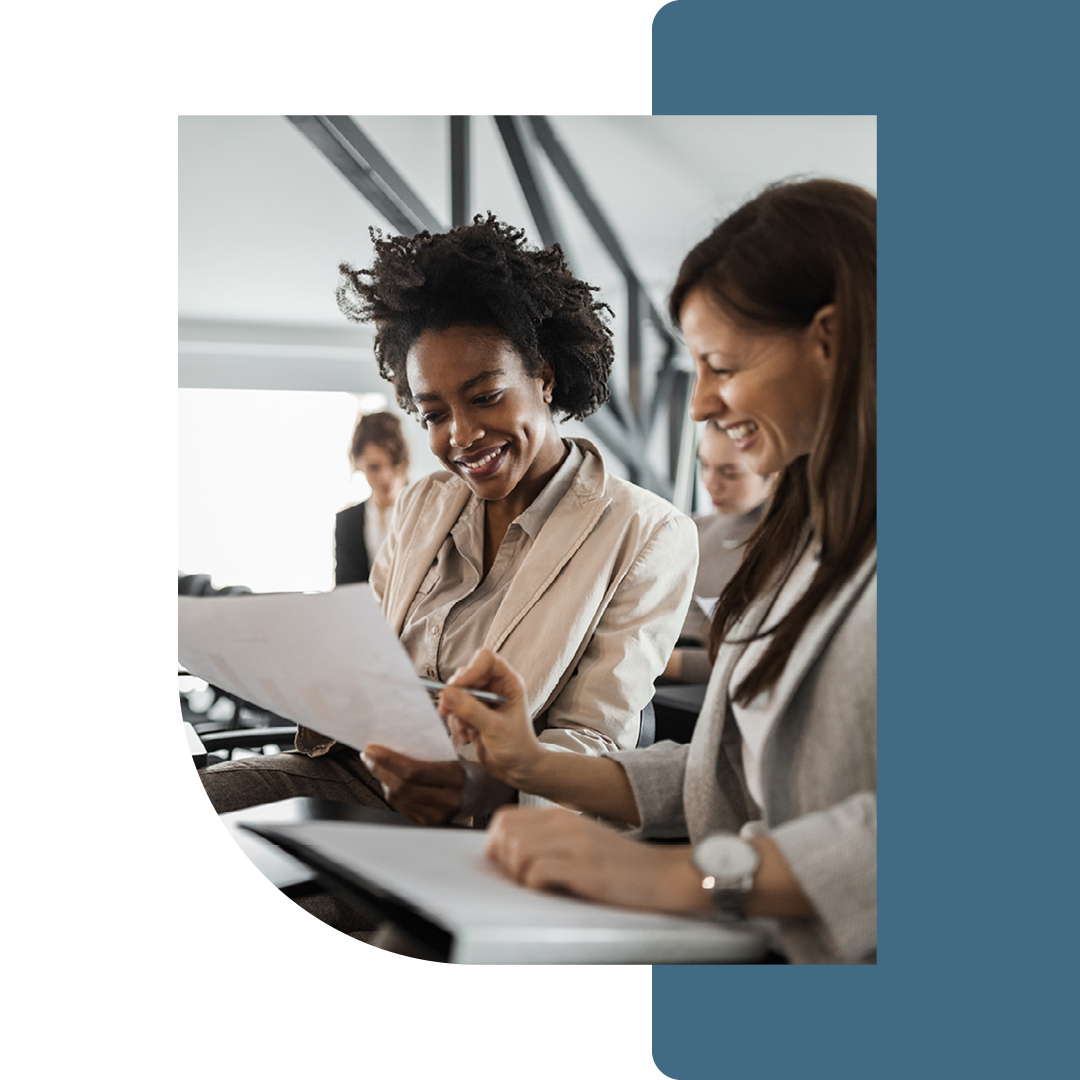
264	218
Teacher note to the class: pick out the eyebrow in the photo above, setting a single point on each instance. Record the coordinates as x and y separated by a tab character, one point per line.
727	465
467	385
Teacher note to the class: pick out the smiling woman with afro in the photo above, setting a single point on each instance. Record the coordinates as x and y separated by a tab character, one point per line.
525	544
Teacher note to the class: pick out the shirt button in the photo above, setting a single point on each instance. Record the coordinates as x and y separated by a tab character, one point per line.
434	631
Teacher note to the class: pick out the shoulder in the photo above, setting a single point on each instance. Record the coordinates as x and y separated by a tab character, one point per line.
351	514
432	486
862	617
625	499
647	506
855	608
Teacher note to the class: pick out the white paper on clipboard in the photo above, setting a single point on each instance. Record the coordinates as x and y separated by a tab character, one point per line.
327	660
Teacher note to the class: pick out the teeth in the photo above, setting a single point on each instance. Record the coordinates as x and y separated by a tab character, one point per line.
738	432
472	466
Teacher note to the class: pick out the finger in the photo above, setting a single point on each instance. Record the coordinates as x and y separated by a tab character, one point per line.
537	862
477	671
517	835
460	732
467	710
488	671
387	766
555	873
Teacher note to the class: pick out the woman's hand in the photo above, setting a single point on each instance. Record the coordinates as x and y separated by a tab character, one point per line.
555	849
427	792
503	735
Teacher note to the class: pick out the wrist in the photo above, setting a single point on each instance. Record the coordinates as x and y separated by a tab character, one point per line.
727	866
683	887
528	772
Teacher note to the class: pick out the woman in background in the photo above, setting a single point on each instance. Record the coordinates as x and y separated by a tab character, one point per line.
777	790
737	495
380	452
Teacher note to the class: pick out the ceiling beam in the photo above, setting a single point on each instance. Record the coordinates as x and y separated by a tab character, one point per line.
357	158
460	170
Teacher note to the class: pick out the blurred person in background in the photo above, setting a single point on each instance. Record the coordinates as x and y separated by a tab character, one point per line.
380	452
737	495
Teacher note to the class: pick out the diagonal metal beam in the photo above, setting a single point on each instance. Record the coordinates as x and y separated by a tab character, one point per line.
460	170
532	183
358	159
664	381
672	385
575	184
523	159
629	448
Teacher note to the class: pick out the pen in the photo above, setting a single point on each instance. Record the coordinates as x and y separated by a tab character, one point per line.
483	695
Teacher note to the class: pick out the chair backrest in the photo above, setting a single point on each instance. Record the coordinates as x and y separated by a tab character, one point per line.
647	734
199	585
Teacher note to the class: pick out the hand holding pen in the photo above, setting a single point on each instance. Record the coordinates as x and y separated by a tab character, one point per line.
503	735
484	695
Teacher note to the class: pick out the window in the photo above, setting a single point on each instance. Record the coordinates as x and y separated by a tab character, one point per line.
262	473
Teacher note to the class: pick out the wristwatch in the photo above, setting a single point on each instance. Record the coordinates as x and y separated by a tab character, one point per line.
727	866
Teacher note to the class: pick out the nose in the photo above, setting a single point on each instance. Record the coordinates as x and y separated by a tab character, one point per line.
705	403
463	430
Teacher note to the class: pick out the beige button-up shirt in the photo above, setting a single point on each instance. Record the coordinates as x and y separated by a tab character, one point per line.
589	615
451	614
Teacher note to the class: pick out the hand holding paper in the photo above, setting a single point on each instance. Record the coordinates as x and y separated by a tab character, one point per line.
427	792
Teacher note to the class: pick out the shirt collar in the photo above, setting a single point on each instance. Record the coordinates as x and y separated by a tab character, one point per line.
532	520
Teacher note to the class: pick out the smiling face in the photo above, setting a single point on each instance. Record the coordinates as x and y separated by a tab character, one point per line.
487	419
765	388
732	487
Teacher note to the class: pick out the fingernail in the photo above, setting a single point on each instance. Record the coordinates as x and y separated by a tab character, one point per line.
366	760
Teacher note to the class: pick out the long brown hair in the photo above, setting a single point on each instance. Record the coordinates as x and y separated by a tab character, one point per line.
775	262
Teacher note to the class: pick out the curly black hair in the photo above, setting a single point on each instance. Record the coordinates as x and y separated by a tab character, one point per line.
484	275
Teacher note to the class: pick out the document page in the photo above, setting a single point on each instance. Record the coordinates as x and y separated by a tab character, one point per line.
444	874
327	660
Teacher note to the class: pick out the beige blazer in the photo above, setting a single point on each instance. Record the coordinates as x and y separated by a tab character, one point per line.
818	767
592	615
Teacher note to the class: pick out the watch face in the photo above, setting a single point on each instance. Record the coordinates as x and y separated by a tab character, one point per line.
725	857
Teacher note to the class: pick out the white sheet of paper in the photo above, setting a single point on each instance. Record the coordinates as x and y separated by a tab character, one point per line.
325	660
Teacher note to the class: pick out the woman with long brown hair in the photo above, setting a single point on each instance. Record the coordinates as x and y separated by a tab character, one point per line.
777	791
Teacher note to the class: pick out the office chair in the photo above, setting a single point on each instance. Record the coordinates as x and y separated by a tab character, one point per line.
647	734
